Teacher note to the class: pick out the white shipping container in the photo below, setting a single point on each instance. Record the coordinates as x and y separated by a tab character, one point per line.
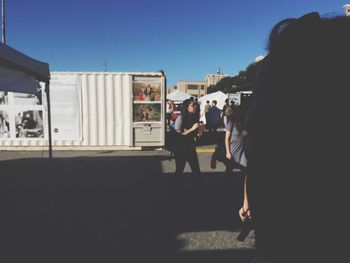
89	110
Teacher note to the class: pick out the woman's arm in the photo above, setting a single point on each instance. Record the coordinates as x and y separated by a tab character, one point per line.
227	144
186	132
244	212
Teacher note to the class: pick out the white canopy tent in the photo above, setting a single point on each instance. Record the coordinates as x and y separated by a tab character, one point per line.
178	96
20	73
219	96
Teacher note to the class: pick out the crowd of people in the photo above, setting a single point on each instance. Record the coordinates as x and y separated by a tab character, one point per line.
213	116
287	150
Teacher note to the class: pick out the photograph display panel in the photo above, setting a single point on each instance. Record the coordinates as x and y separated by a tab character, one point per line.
4	124
29	124
21	115
147	91
147	97
147	112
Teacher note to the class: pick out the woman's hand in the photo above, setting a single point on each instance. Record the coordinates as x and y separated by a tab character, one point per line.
201	127
228	156
244	213
194	127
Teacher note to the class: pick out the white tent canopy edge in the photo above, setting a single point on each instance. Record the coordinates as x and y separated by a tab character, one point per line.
178	96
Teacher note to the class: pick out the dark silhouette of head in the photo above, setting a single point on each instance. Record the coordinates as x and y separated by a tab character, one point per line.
301	88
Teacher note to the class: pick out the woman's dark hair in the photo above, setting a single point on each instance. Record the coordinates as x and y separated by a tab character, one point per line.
287	29
187	119
237	117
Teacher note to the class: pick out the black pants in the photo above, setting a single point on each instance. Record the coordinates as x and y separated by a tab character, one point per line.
187	155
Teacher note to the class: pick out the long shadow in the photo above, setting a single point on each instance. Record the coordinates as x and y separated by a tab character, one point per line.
206	139
211	138
113	209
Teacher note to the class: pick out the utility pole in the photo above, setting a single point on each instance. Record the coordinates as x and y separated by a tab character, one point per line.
3	21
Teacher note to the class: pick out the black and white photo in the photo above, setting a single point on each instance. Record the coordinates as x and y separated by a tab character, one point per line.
29	124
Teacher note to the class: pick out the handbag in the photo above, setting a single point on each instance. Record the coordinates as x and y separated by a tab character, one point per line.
220	153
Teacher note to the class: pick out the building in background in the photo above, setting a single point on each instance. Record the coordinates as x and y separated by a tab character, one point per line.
213	79
198	88
194	88
171	89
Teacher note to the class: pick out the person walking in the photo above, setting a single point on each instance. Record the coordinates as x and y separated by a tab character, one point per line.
234	139
226	110
206	111
213	118
186	128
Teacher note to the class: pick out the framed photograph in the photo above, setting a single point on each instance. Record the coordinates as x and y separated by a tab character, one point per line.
147	112
29	124
146	91
4	124
4	98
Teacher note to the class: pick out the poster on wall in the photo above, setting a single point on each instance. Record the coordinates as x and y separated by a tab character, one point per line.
147	112
235	97
21	115
147	91
4	124
65	107
29	124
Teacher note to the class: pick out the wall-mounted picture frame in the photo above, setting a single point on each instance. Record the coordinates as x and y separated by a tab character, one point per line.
29	124
4	124
147	91
147	112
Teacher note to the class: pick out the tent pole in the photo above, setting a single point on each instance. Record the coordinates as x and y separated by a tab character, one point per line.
47	90
51	172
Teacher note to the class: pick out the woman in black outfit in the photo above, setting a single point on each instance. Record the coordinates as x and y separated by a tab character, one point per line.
186	128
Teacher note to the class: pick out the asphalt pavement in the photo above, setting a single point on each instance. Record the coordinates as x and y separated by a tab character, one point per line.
119	206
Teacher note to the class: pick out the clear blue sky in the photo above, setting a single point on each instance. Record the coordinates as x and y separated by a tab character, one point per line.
186	38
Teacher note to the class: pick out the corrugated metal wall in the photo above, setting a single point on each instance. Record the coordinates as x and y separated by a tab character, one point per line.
106	109
106	114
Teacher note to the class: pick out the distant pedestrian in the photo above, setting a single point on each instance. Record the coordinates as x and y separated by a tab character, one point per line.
206	111
198	110
226	111
169	111
213	120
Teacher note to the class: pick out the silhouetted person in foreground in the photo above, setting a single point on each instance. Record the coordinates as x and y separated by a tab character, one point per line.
298	141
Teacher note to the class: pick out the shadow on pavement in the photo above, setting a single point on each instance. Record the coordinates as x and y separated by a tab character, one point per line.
211	138
113	209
